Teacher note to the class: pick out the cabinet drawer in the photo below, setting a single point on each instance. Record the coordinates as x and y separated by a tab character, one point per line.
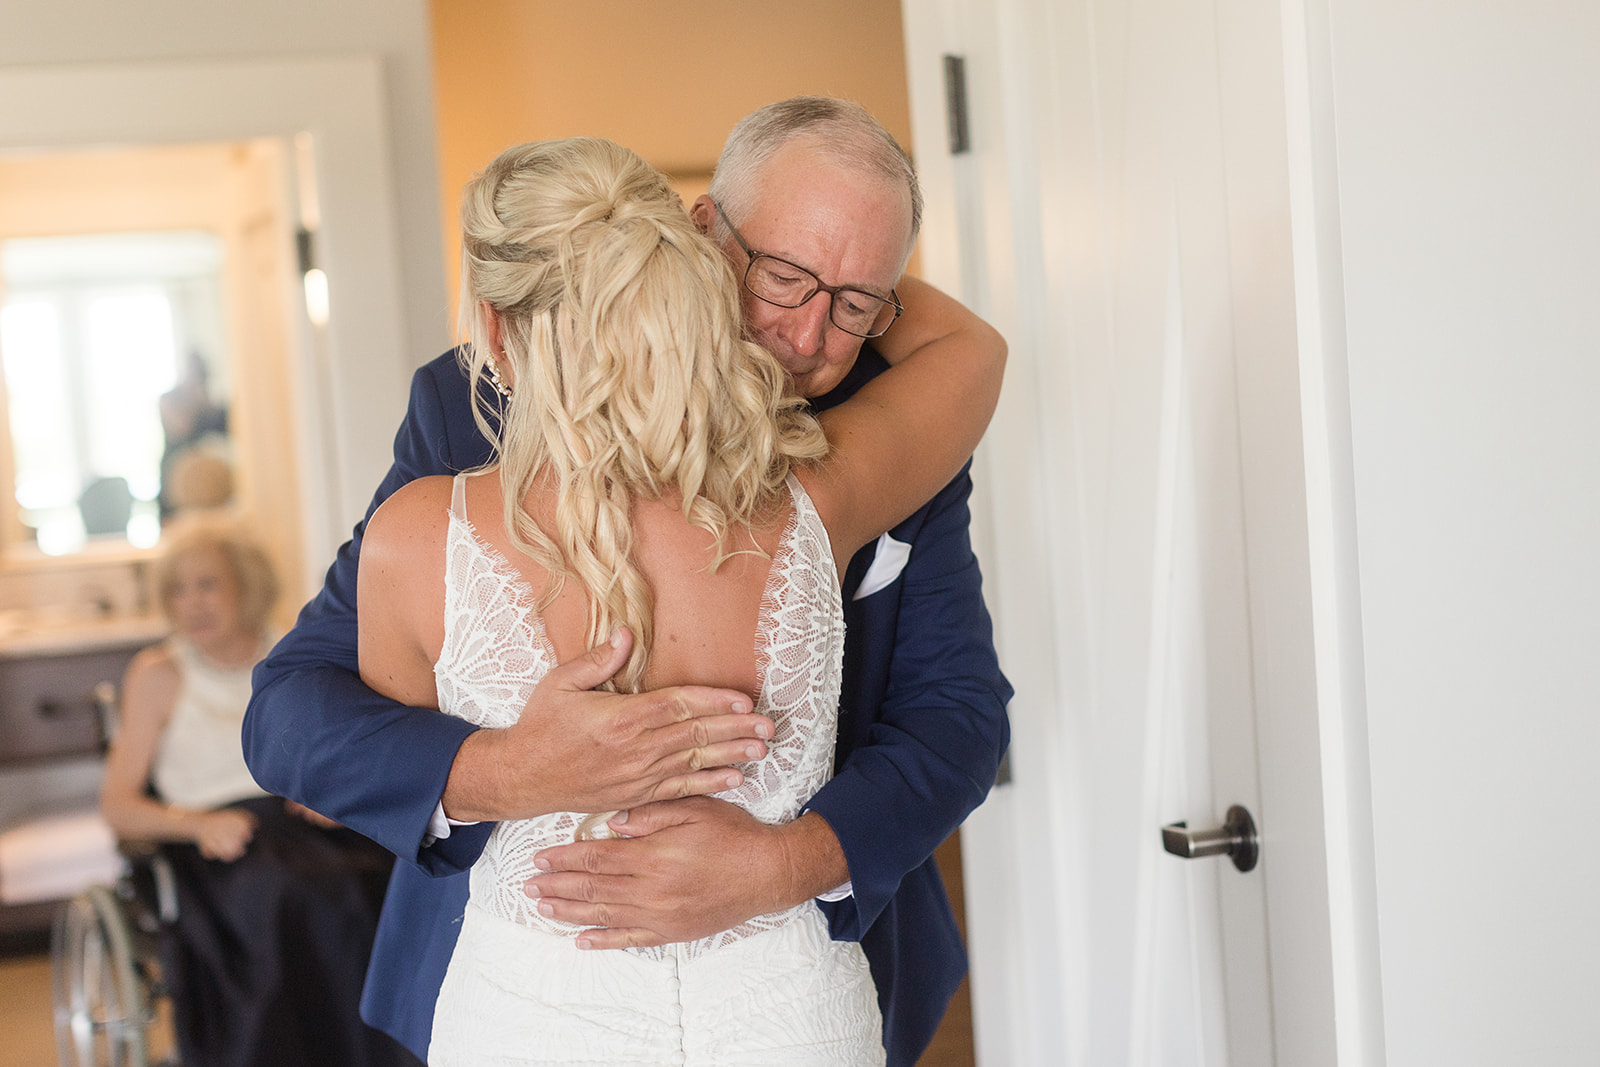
47	703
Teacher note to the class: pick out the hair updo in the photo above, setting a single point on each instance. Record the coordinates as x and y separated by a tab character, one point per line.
621	326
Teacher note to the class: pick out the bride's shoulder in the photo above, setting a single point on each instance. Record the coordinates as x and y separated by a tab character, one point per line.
415	516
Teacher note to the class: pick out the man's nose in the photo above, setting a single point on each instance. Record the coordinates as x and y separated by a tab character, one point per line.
808	325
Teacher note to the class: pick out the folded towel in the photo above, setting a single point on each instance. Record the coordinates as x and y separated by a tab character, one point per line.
57	857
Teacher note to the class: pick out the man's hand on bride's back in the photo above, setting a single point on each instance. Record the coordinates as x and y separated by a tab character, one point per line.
576	748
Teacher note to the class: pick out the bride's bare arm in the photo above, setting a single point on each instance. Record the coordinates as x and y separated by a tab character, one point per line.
931	316
906	433
400	593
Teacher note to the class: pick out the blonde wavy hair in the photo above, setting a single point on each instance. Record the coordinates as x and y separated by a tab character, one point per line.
621	325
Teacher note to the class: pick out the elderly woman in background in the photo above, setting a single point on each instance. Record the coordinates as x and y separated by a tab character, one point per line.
276	905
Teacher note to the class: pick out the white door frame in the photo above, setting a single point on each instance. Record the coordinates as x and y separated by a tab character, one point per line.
1329	586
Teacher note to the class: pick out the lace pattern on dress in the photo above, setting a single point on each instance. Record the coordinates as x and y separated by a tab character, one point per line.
496	650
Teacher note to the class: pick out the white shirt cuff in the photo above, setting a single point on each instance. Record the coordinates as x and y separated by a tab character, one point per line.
439	824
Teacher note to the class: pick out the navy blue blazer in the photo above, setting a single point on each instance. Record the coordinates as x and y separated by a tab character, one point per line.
922	727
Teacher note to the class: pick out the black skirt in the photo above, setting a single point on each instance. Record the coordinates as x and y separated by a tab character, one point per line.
266	960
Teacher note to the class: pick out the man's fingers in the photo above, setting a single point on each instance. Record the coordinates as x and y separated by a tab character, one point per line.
584	899
619	937
646	819
689	703
597	665
594	902
694	759
714	742
581	856
697	784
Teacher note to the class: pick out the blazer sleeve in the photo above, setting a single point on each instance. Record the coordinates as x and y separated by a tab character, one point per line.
927	755
316	734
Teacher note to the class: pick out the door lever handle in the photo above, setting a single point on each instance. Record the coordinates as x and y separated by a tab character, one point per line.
1236	838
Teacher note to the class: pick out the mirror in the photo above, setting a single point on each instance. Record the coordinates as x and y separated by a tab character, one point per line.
151	317
116	377
312	404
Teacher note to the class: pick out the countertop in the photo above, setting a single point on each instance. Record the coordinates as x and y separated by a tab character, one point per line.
30	635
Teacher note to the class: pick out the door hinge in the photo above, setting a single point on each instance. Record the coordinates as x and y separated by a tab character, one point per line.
955	104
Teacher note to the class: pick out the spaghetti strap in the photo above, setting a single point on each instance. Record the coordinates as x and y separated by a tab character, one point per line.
458	496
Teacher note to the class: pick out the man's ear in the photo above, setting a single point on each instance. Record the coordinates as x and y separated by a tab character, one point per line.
703	213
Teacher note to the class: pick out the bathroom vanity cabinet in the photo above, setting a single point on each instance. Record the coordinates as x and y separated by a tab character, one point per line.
52	740
50	690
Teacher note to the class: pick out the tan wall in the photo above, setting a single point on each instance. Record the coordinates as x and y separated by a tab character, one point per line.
667	80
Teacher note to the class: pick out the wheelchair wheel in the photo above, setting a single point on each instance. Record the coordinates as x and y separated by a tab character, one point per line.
102	1003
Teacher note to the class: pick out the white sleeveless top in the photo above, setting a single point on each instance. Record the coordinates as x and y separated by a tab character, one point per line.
496	650
200	761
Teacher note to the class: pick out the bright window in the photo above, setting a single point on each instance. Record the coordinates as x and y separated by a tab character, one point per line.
93	332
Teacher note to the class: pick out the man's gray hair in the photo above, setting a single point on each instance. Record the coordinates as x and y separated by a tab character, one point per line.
844	133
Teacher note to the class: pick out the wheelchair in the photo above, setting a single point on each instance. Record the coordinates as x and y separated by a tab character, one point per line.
105	965
106	973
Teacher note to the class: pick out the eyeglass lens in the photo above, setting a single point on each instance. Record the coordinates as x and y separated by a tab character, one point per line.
781	282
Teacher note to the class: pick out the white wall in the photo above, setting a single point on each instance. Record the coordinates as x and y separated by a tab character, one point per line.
1469	170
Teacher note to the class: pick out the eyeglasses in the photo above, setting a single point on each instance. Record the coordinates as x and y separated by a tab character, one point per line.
779	282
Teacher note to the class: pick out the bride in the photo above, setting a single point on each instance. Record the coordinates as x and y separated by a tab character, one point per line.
656	482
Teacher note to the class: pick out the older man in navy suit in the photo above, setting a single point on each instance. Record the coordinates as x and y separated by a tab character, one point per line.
922	719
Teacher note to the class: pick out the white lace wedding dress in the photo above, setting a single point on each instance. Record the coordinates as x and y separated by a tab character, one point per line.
774	990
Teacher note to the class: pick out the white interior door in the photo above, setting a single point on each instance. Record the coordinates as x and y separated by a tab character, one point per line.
1125	216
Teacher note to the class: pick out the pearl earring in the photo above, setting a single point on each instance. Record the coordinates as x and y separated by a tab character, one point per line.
495	380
